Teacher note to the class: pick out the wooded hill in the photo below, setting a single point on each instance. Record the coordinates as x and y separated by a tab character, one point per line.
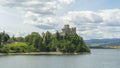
46	42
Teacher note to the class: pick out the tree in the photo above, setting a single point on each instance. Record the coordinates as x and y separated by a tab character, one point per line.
57	36
45	43
47	40
4	37
20	39
37	42
0	40
17	48
30	38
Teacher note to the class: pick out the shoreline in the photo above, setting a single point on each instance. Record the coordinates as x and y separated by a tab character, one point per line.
43	53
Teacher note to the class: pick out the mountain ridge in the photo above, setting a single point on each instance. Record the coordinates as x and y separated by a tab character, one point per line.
103	42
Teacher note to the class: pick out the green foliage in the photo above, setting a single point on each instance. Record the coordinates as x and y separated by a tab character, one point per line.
47	39
0	40
20	39
44	43
35	40
4	37
17	47
68	43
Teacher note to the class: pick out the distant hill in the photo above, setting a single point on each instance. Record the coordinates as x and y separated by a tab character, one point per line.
103	42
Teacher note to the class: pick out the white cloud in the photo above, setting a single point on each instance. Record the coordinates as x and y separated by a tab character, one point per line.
84	17
99	24
17	34
111	15
66	1
90	24
40	13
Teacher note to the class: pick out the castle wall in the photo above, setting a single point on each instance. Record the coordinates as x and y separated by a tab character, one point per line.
67	30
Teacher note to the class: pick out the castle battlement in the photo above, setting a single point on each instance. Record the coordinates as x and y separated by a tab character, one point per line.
67	30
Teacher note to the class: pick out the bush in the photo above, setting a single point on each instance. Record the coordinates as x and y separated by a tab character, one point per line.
18	47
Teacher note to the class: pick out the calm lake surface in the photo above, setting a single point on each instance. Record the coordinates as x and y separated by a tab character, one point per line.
99	58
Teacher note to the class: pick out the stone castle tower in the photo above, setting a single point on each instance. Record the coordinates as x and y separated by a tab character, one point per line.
67	30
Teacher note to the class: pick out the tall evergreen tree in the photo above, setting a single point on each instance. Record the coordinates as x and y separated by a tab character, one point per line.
0	40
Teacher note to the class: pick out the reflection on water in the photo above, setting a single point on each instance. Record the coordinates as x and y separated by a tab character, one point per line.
99	58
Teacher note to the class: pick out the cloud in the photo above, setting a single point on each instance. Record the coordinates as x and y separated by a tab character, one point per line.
42	22
17	34
66	1
35	6
95	24
44	14
83	16
84	20
40	13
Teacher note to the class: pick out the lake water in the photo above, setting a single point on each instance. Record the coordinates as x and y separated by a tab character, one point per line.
99	58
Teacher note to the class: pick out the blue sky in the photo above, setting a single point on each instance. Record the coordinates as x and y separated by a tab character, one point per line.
94	19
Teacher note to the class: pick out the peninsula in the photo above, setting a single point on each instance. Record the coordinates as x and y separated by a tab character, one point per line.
65	42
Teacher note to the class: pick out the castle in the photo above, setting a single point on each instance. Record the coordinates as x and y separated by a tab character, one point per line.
67	30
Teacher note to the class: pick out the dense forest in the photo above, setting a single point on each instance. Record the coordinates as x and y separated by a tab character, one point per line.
46	42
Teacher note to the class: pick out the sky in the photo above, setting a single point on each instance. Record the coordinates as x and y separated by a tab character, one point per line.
94	19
